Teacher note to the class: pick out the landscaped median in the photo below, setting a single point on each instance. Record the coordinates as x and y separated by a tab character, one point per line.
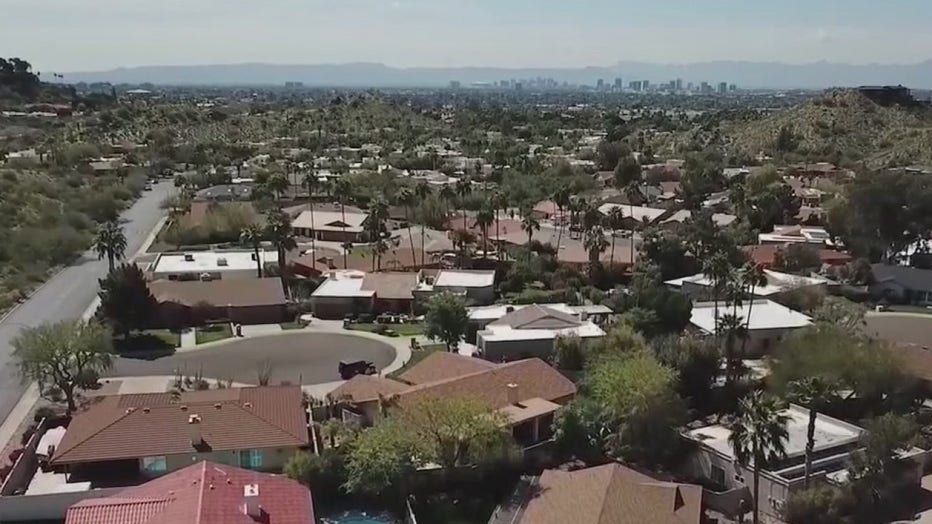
401	330
213	333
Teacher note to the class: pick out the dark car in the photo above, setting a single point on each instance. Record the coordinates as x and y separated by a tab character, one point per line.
349	370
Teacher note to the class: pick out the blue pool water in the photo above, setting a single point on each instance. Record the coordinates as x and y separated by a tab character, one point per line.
359	517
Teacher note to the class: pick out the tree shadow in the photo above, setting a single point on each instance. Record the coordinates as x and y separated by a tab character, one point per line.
143	346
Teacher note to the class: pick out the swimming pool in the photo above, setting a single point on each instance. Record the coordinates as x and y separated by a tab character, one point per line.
359	517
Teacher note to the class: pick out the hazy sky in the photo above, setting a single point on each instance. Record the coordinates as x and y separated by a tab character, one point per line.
81	35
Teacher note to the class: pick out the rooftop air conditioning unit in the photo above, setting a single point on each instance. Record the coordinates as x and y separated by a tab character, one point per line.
253	257
188	257
222	262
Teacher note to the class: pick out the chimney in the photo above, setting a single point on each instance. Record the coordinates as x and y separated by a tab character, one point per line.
194	426
251	505
513	394
509	309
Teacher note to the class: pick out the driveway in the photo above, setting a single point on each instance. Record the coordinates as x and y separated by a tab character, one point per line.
305	358
70	292
901	328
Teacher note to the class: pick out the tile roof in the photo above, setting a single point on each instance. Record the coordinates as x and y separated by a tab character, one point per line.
765	254
143	425
534	378
441	365
224	292
363	388
203	493
909	277
536	316
611	494
398	286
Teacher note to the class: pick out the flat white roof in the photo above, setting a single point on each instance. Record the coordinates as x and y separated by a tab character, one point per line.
765	314
499	333
464	278
210	261
500	310
776	282
651	214
829	433
330	221
343	284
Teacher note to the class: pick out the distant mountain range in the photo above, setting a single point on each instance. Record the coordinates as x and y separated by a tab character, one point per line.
744	74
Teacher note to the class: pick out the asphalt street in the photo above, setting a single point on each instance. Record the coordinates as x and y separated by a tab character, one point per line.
300	358
68	294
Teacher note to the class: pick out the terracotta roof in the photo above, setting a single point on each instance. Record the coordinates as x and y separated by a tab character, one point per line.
153	424
203	493
363	388
572	248
536	316
611	494
765	255
534	378
441	365
224	292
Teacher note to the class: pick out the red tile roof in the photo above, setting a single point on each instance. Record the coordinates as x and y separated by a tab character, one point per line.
144	425
441	365
203	493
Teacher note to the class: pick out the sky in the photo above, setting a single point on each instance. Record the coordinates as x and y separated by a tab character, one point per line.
93	35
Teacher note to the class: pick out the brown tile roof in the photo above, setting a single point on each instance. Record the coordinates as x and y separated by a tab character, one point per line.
203	493
143	425
534	378
765	255
611	494
441	365
536	316
572	248
224	292
396	286
363	388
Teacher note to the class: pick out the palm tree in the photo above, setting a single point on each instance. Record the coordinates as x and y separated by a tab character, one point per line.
110	242
252	235
484	219
615	221
529	224
595	245
277	184
461	238
752	275
279	232
498	202
814	393
758	437
717	269
463	189
378	214
632	193
311	182
405	197
447	196
422	191
343	190
561	199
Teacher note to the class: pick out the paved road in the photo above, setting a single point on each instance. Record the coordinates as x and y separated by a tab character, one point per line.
70	292
901	328
306	358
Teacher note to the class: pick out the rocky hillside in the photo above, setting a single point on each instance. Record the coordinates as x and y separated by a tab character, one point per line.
842	125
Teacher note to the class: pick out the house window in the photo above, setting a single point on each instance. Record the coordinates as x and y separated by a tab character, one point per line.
250	458
718	475
154	465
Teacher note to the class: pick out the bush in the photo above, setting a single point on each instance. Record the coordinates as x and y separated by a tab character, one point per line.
325	472
45	412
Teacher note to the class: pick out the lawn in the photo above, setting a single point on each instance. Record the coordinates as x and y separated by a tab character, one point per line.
403	330
417	356
213	333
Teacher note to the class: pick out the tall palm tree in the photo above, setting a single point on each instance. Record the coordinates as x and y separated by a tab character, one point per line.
343	190
378	214
484	219
463	189
252	236
595	245
529	224
615	221
311	183
422	191
632	193
499	202
447	196
110	242
280	233
717	269
405	197
752	275
277	184
814	393
561	199
758	437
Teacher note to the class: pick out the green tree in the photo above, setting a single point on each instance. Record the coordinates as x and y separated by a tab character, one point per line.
405	198
569	353
446	319
280	233
614	221
252	236
484	219
343	190
324	472
125	300
595	245
463	190
110	242
758	437
312	184
63	356
376	228
422	191
529	224
561	199
628	170
382	460
814	393
797	258
696	362
583	429
876	469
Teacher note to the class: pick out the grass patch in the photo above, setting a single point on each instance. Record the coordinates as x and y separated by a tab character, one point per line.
296	324
213	333
417	356
403	330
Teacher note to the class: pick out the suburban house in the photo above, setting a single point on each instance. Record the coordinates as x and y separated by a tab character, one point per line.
608	494
528	392
333	226
203	493
797	235
765	255
699	286
225	193
901	284
769	322
210	265
531	331
715	463
476	286
188	303
638	216
149	435
571	249
355	292
481	316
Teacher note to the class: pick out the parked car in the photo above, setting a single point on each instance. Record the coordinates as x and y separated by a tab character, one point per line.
349	370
